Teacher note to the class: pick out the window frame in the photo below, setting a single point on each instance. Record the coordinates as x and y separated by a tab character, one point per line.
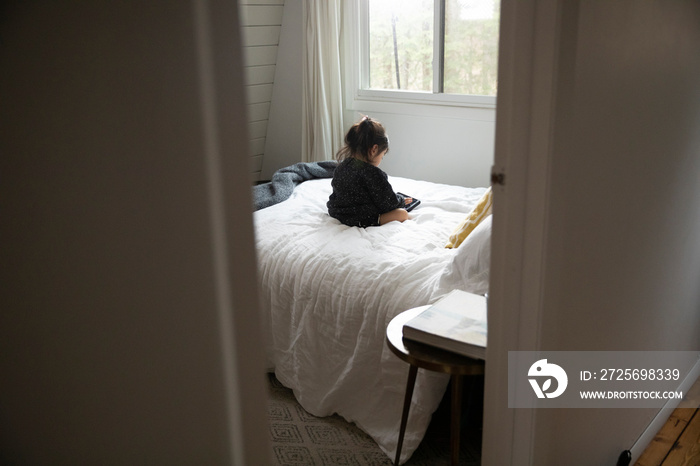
362	96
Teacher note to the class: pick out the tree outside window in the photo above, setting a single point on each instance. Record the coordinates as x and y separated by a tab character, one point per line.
402	45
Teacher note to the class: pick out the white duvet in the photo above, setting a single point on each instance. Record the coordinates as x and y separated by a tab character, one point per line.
328	292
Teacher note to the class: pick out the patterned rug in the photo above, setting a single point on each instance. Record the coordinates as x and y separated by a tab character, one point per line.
298	438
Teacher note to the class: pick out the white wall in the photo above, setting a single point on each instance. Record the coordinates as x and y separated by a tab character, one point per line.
283	144
623	256
443	150
620	256
446	149
261	21
129	313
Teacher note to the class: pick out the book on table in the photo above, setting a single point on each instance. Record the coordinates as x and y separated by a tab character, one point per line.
456	322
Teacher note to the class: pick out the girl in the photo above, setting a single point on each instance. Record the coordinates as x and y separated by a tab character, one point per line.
362	195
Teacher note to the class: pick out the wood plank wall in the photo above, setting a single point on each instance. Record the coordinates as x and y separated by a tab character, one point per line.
262	22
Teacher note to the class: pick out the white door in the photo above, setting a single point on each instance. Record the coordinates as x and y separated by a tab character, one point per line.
527	68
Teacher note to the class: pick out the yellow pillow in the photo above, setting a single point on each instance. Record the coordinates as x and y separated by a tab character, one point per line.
480	212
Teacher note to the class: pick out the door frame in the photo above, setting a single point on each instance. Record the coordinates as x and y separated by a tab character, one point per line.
529	52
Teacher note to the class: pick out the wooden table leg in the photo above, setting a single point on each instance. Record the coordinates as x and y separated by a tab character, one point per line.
412	372
456	409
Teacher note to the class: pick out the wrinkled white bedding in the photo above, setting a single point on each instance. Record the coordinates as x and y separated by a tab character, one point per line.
328	292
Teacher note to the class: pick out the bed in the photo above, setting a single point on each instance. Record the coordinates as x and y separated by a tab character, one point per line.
328	292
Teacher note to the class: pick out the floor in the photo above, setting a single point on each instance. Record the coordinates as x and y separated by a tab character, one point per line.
678	441
298	438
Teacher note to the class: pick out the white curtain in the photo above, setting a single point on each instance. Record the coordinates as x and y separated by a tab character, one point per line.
322	110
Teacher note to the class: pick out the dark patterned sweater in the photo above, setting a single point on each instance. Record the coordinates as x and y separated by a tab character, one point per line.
361	193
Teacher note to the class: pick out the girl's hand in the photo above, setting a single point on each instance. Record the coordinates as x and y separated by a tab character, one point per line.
408	200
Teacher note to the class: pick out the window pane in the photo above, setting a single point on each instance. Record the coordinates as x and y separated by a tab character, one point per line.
471	46
401	33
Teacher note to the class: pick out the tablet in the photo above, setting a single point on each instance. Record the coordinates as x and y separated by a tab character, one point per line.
412	205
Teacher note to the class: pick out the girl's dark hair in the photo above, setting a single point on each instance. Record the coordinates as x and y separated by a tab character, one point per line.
360	139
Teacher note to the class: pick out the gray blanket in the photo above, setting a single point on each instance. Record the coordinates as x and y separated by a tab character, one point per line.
285	180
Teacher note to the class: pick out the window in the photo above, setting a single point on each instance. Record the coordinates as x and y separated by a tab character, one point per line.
443	51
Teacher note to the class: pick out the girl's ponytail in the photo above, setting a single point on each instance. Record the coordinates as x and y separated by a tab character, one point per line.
360	139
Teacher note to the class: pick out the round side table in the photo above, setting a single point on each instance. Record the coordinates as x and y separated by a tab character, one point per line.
432	359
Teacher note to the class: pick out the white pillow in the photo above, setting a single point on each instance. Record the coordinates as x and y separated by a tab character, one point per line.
469	268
